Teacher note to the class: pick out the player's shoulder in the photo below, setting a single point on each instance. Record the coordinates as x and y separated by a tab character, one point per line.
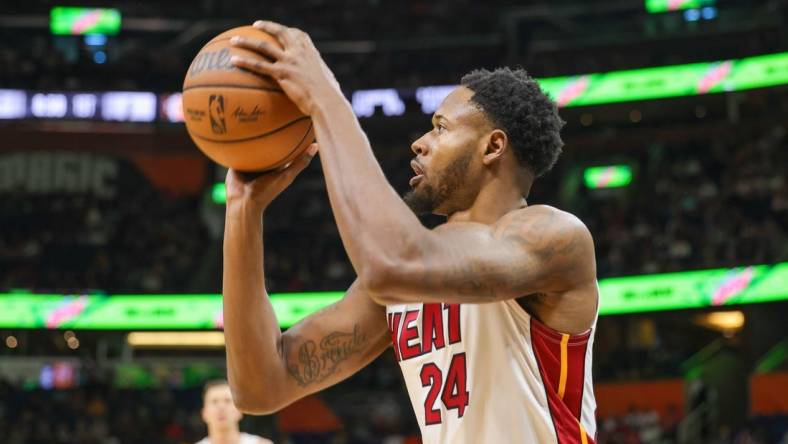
546	211
546	219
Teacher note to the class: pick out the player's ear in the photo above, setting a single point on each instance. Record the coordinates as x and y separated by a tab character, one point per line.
496	145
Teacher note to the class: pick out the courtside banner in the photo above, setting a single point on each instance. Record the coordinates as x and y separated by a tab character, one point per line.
631	294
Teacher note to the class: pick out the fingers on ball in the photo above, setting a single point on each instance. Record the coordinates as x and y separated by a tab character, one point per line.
259	46
273	28
257	65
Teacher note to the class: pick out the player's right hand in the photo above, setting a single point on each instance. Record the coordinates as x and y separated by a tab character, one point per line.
259	191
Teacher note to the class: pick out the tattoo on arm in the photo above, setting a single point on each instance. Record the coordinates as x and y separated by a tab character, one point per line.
310	362
551	245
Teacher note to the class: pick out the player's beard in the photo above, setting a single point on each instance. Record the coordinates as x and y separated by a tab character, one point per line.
426	197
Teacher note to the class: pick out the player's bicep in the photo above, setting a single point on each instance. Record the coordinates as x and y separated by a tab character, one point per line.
334	343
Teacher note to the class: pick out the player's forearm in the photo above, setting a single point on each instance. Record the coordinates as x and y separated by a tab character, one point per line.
250	325
375	224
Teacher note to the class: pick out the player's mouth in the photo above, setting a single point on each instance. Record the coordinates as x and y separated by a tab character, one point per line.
419	173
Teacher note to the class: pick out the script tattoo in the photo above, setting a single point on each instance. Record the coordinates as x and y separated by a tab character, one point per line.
313	362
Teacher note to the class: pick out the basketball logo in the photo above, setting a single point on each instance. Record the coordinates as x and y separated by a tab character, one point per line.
216	113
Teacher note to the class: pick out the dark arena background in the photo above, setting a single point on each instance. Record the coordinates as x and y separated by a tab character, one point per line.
111	220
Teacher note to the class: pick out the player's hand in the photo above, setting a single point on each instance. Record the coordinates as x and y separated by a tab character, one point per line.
259	191
298	68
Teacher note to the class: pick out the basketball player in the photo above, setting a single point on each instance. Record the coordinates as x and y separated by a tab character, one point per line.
491	314
222	417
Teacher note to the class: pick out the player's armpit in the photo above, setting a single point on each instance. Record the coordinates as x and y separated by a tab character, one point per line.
538	249
320	351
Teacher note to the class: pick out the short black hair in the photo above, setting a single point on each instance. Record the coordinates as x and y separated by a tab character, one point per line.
515	103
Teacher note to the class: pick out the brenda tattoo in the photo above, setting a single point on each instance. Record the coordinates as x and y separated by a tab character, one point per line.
313	362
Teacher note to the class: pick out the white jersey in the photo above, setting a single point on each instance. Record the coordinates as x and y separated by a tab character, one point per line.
245	439
490	373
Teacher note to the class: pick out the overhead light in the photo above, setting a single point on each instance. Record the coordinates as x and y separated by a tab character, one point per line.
692	15
724	321
176	339
11	342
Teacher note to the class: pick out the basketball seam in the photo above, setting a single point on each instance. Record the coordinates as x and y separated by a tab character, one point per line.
246	139
297	144
227	85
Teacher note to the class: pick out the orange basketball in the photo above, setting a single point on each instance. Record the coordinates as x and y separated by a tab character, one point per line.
238	118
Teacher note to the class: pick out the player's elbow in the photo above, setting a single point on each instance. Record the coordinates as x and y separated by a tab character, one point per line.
253	401
392	272
388	281
378	276
256	406
381	298
257	409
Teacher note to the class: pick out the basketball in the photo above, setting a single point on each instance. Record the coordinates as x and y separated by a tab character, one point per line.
240	119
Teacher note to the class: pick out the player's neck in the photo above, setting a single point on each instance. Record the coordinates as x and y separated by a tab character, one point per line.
495	199
224	436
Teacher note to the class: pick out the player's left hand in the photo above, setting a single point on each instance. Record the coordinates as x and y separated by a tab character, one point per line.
298	67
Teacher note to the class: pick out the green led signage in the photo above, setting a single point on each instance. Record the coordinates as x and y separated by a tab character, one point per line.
658	6
668	81
140	312
694	289
66	20
219	193
612	176
630	294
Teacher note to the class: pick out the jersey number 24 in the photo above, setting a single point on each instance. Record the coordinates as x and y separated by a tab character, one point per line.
453	392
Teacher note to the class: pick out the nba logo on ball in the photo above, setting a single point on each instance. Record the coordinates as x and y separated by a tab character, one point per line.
216	113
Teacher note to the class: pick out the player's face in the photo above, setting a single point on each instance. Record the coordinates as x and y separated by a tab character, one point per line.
219	410
448	163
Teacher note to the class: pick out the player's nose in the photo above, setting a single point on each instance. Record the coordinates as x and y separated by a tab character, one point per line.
419	147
